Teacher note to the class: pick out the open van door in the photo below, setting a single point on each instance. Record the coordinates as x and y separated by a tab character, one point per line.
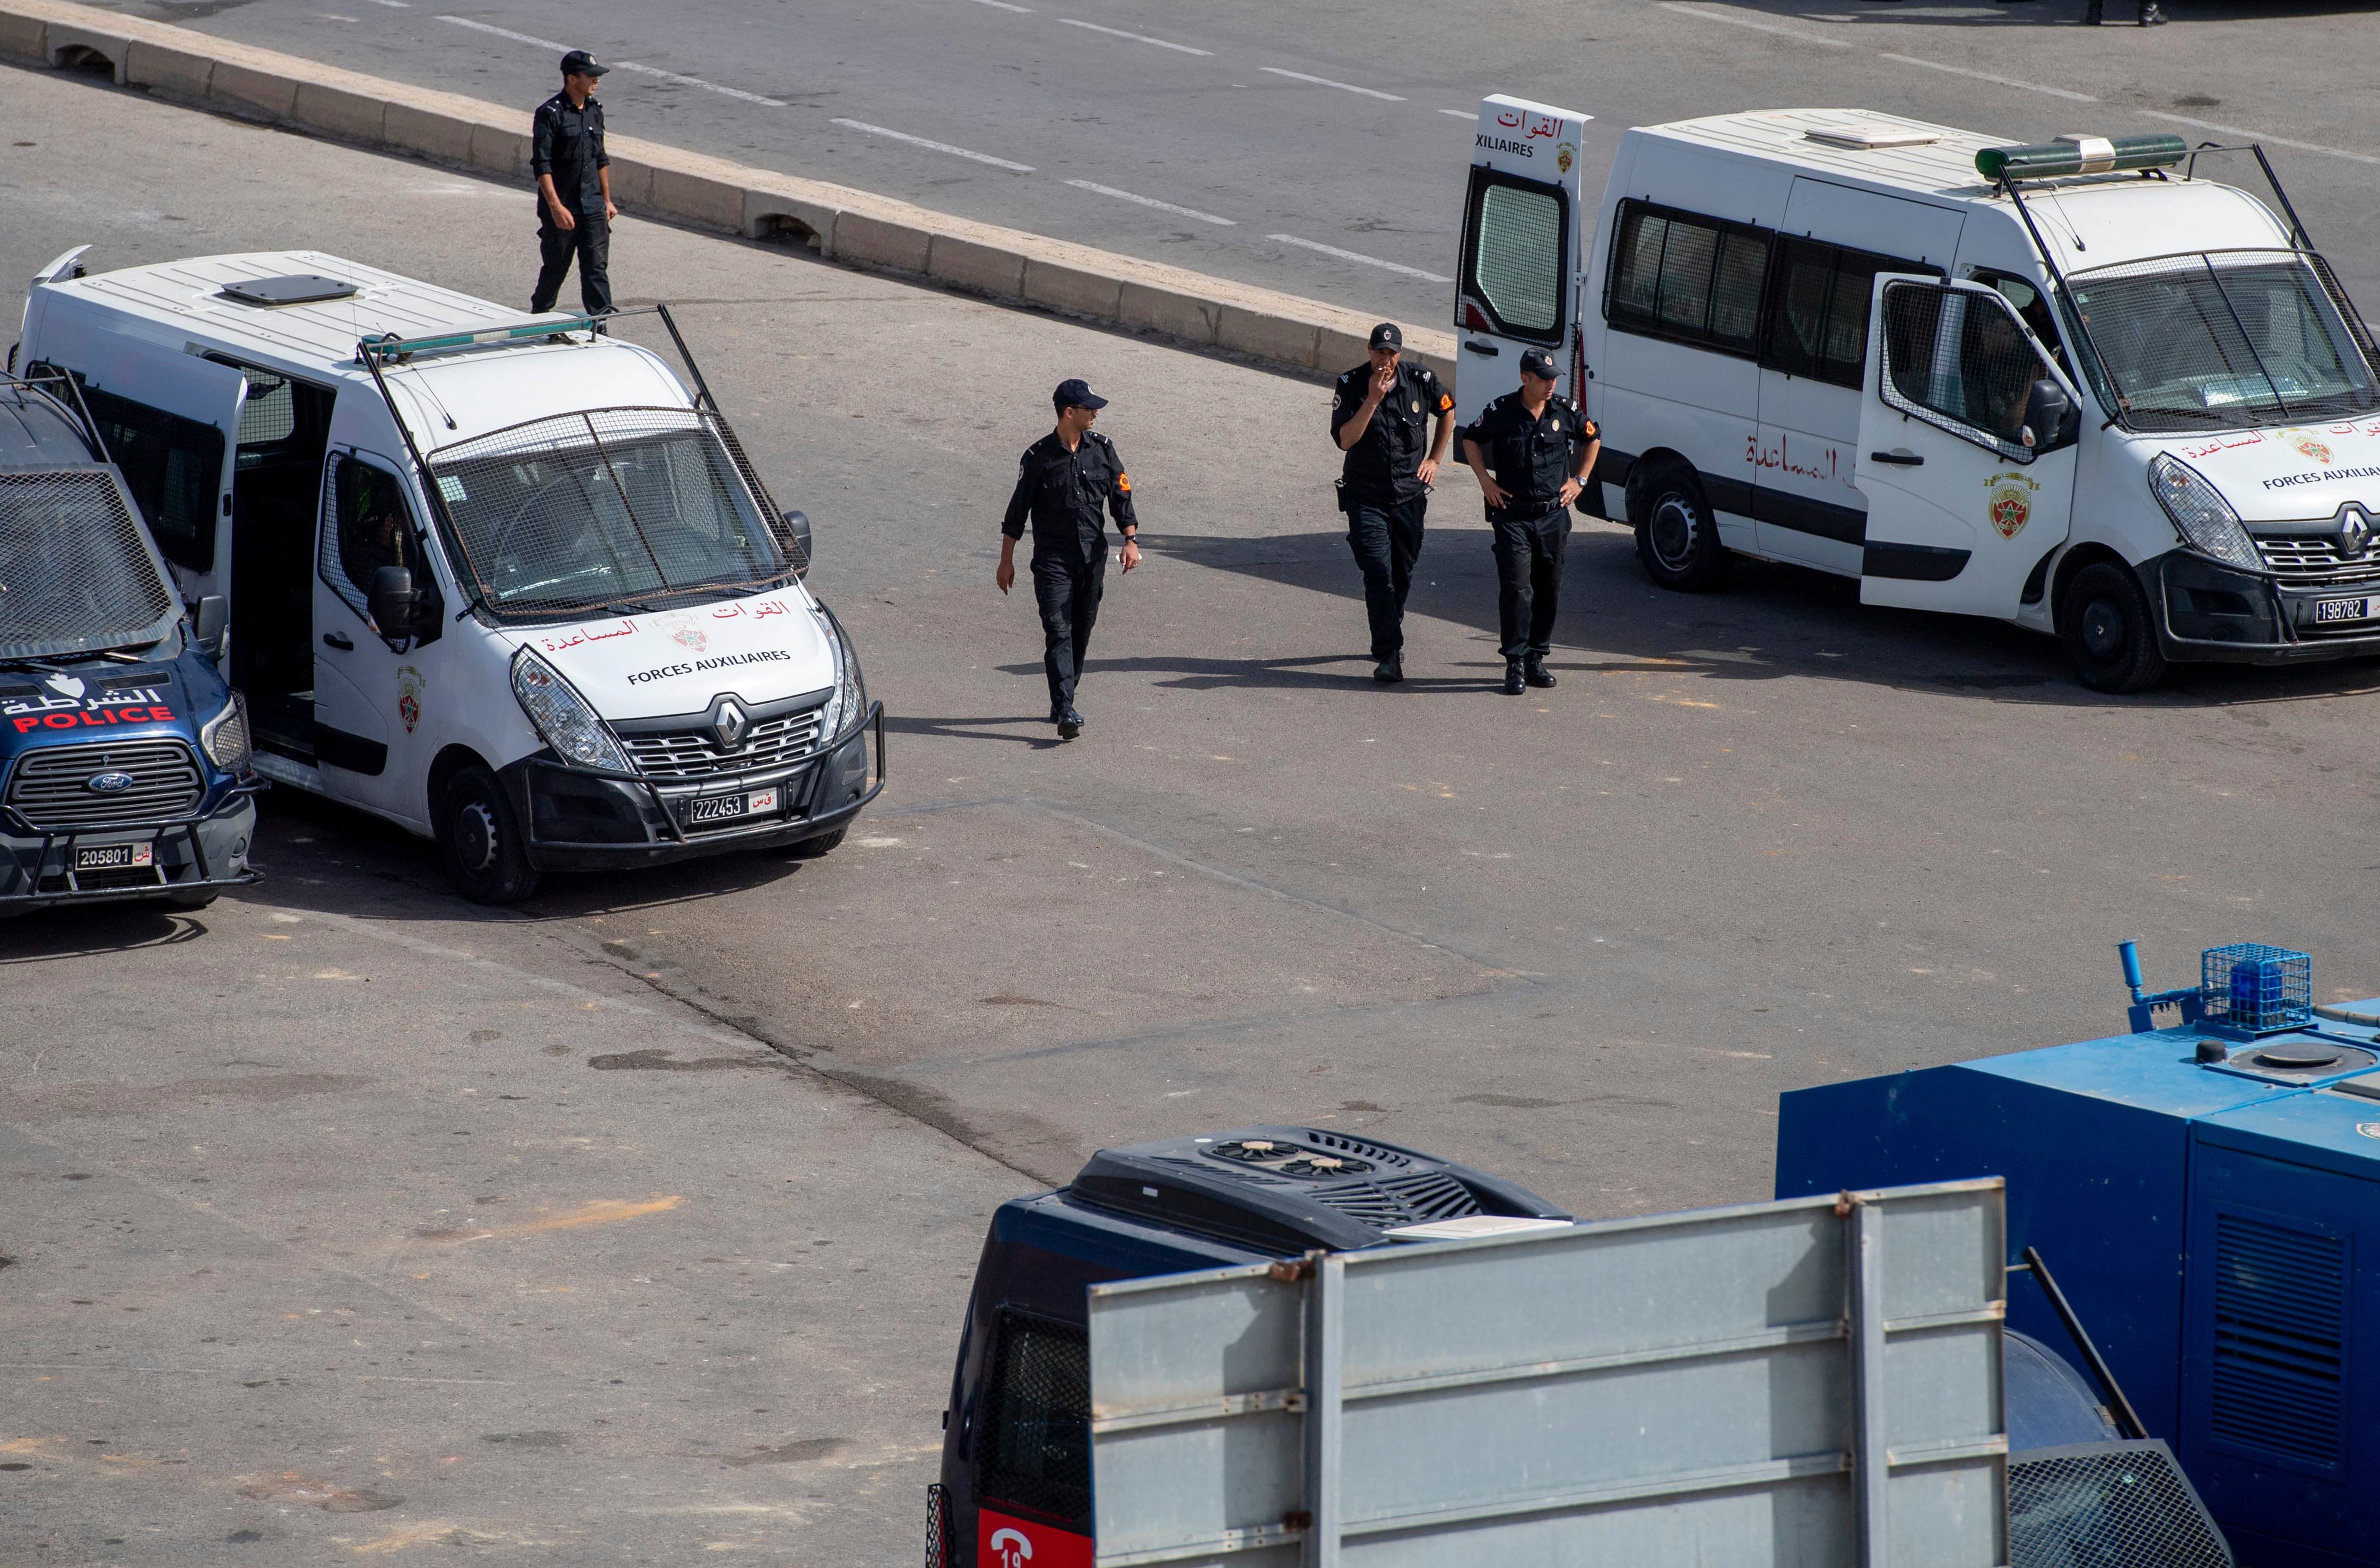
1967	449
1519	288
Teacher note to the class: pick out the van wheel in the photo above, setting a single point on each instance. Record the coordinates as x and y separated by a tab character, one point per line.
1677	537
2103	620
811	848
480	839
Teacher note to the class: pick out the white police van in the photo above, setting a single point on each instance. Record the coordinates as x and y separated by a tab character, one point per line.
502	580
2081	386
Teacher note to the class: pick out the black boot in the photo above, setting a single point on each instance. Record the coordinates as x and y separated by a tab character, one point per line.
1536	673
1390	670
2150	15
1070	724
1515	680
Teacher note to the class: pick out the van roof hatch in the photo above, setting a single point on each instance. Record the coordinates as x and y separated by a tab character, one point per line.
299	288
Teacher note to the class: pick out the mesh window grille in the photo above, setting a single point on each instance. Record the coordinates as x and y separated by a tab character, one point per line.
938	1527
624	505
1517	263
1698	280
368	529
75	574
1962	357
2281	1338
2225	339
1037	1426
2107	1505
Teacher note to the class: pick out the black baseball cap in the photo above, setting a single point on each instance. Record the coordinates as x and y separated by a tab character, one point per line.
1386	335
580	62
1076	393
1537	362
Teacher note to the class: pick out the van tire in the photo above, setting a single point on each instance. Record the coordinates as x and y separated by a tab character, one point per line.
481	841
1677	534
2109	630
811	848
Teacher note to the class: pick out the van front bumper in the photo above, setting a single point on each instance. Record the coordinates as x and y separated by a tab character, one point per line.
2215	613
581	822
192	858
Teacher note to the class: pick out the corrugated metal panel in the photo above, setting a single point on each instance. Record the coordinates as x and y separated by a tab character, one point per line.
1779	1383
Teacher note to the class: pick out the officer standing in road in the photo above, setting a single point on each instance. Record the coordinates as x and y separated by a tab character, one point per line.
1067	481
1376	417
1541	450
574	188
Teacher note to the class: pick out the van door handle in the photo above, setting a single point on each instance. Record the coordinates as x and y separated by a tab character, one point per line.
339	641
1899	456
1477	347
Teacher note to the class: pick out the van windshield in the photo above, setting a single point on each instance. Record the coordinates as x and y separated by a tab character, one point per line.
2229	338
603	510
76	576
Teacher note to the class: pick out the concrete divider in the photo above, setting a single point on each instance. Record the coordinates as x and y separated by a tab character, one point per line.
855	227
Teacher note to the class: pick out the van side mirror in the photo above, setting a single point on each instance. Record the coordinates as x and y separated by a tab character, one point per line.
2050	416
798	524
208	619
393	600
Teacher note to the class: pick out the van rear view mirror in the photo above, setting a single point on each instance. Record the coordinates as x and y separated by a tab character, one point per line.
798	524
207	618
2050	417
393	602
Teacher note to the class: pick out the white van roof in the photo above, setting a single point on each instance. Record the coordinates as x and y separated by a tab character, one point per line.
1859	145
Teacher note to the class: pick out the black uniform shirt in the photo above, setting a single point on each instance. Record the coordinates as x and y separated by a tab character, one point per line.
1530	456
1063	492
566	141
1379	466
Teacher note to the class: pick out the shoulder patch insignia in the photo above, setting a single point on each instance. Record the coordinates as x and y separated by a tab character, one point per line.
1124	482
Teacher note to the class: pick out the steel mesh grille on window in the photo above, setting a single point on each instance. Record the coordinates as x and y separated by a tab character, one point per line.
1517	264
368	527
2227	338
1962	359
1036	1422
2121	1506
938	1526
75	574
620	509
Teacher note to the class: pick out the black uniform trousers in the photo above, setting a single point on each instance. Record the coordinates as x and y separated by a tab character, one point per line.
1386	538
1529	553
591	243
1068	593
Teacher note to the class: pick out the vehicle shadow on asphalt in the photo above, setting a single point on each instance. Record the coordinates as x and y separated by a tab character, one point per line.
1769	622
49	934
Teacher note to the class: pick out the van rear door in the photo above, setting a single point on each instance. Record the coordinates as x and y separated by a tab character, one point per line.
1519	288
1965	496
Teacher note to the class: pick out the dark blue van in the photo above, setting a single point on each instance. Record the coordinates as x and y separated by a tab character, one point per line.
124	771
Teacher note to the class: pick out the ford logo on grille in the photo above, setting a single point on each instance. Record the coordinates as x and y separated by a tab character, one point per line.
109	784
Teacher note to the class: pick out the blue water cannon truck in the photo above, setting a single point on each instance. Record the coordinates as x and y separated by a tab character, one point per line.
2208	1186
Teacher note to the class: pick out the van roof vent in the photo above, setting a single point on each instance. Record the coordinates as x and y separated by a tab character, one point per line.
1289	1189
300	288
1871	137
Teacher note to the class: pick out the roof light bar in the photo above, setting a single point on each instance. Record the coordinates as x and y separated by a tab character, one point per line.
2081	155
400	347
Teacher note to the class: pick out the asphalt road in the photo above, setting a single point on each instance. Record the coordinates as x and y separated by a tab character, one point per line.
1754	841
1237	135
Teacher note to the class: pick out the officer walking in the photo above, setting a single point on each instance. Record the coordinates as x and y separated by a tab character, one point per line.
1063	483
1378	416
574	188
1541	450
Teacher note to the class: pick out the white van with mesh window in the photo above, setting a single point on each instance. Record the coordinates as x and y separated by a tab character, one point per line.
2082	387
508	581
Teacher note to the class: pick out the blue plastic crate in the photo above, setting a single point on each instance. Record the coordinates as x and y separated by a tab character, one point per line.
2250	986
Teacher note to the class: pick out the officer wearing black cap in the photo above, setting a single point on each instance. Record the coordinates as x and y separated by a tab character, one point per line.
1378	416
1540	450
574	188
1066	482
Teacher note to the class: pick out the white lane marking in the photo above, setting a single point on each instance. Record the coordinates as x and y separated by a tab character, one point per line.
1152	201
1326	81
1462	113
618	65
1004	5
1357	256
2259	136
1986	76
934	146
396	5
1757	27
1135	37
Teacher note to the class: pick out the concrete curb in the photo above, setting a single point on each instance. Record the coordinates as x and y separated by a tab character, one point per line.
855	227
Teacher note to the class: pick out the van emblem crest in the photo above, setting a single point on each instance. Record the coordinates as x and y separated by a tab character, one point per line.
109	784
1565	156
732	724
2354	532
692	636
2309	445
2010	503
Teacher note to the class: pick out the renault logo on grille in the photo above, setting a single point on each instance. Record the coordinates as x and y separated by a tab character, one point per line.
731	726
109	784
2354	532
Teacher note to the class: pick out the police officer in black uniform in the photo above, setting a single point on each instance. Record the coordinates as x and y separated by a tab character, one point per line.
1541	449
574	188
1378	417
1065	482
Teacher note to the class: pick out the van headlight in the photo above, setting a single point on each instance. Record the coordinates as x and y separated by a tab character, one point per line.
2200	514
850	698
563	718
225	738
